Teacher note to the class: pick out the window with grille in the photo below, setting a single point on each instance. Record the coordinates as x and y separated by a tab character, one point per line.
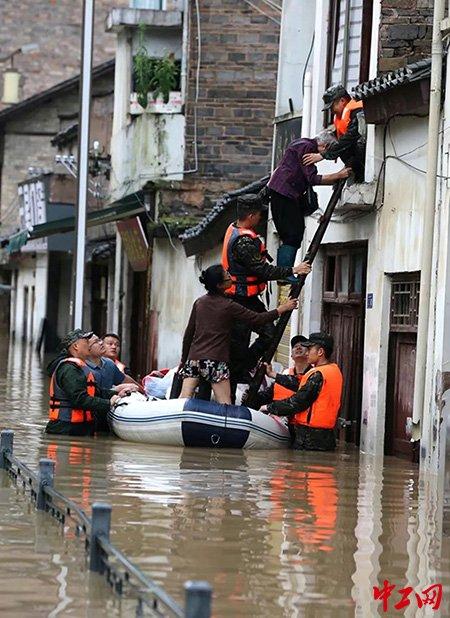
405	303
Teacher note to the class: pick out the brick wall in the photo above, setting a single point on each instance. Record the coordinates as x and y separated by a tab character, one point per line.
238	75
405	32
27	141
55	25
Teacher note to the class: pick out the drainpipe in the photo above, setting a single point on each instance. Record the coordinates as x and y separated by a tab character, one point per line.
306	123
184	51
426	302
307	95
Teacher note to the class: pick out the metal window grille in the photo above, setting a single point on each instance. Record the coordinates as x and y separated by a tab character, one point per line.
405	305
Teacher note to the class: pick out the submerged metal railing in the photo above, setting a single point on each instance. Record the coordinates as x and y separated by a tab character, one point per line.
104	558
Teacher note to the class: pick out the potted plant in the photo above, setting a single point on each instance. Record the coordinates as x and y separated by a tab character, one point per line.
155	82
143	66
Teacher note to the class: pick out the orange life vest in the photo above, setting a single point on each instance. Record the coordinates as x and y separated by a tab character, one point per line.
121	366
342	123
60	407
323	412
281	392
243	284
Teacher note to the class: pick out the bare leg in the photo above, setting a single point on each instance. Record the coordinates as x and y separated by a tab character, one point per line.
222	391
189	386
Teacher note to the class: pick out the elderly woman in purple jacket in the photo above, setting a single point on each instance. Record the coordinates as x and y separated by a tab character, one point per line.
287	186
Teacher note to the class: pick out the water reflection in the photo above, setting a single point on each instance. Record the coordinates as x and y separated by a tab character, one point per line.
276	533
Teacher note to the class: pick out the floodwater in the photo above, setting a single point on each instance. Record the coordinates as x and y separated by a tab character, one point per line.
277	534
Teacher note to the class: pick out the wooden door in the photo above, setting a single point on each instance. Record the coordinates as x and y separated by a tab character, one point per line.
401	368
346	324
99	297
401	365
344	288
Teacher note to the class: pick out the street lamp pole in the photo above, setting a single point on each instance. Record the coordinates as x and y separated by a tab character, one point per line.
83	160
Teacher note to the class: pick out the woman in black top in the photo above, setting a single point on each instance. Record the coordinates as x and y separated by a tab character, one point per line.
206	340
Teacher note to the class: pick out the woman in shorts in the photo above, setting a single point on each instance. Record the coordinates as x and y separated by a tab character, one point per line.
206	342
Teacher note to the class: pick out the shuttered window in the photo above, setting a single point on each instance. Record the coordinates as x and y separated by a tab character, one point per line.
347	54
349	39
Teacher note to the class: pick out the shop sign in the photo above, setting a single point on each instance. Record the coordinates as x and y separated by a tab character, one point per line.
134	242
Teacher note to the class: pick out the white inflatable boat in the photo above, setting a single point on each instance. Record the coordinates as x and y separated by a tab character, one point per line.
193	422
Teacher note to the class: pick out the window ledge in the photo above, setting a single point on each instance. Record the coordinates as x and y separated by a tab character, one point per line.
173	106
118	19
357	198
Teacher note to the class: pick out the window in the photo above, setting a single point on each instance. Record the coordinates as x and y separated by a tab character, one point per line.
146	4
344	273
405	302
349	36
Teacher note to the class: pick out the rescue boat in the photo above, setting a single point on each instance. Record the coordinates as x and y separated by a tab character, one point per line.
197	423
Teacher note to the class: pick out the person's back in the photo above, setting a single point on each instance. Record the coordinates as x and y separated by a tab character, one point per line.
206	341
291	178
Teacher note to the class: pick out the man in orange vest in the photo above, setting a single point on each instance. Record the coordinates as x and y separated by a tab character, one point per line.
75	399
350	126
313	410
245	257
286	384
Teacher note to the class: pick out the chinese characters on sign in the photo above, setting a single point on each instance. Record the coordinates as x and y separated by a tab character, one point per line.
430	596
135	243
32	211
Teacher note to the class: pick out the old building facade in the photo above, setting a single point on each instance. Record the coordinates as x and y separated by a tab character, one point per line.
182	160
365	285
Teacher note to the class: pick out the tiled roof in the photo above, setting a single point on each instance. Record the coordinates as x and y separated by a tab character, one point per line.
65	137
42	97
410	73
216	216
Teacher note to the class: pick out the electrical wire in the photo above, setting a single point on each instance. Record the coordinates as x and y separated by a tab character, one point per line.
307	62
256	8
273	5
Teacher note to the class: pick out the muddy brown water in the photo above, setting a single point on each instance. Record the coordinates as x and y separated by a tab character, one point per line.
276	533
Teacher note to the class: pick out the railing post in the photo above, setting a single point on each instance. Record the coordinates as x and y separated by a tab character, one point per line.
101	524
6	446
46	474
198	599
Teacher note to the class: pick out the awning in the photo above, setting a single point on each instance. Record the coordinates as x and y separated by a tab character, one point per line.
122	209
17	241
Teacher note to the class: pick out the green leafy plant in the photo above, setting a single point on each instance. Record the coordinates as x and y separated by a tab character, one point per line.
164	77
144	70
157	75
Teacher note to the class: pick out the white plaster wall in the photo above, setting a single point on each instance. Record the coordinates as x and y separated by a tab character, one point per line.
175	286
149	146
394	246
297	28
32	272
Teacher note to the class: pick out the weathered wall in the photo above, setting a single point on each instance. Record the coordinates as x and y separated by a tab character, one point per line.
394	237
405	32
27	141
32	273
54	25
175	286
236	102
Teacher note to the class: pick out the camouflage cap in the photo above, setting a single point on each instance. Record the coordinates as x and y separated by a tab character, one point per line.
298	339
324	340
332	93
251	202
74	335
